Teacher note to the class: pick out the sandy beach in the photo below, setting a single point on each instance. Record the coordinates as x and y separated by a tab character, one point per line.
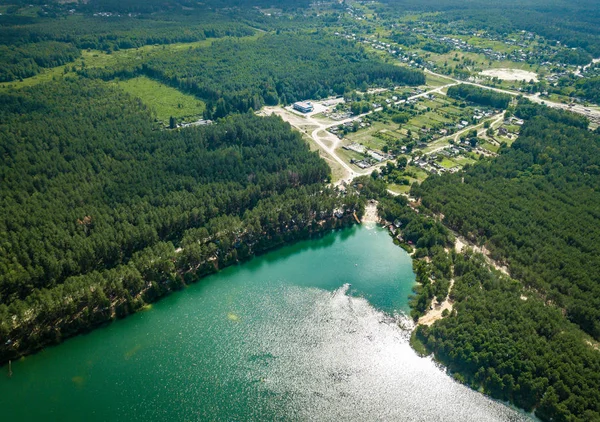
370	215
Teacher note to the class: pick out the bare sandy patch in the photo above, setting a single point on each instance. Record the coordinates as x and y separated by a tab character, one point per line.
370	215
435	314
511	74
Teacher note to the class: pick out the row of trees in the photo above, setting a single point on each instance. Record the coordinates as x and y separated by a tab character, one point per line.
479	95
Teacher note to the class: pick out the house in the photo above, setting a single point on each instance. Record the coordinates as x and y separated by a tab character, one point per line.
303	107
376	155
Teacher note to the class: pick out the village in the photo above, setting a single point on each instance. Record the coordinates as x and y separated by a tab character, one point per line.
402	134
522	61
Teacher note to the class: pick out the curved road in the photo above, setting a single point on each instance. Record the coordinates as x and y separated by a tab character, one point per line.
329	142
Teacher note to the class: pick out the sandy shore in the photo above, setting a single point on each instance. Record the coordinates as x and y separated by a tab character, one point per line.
435	314
371	215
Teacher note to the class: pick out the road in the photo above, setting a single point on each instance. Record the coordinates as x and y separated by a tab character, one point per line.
329	142
592	114
456	136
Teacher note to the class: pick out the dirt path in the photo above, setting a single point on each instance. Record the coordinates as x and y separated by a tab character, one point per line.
594	115
327	141
461	243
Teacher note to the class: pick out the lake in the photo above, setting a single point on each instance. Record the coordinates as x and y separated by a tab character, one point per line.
307	332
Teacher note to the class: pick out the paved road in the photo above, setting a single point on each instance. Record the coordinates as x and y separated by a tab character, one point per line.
329	142
322	137
590	113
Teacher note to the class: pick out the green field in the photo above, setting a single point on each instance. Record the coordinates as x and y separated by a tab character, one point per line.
448	163
490	147
401	189
435	81
95	58
163	100
347	155
367	136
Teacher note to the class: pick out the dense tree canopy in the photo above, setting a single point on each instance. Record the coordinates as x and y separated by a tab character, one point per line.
589	88
479	95
112	33
28	60
575	24
87	184
507	341
536	208
274	68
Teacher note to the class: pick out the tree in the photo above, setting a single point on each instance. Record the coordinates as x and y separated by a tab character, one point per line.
402	162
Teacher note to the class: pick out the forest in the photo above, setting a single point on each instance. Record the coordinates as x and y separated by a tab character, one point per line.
29	44
589	88
236	75
479	95
104	211
28	60
574	24
114	33
503	339
91	192
535	209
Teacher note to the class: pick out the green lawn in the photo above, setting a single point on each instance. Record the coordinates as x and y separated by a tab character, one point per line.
348	155
490	147
446	162
415	174
44	76
398	188
163	100
366	136
464	160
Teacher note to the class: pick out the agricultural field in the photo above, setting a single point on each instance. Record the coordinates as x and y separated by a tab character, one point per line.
434	80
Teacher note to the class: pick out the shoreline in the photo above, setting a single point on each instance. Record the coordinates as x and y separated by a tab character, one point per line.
371	215
435	313
53	334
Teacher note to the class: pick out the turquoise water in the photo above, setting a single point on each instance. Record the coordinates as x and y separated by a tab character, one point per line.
307	332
